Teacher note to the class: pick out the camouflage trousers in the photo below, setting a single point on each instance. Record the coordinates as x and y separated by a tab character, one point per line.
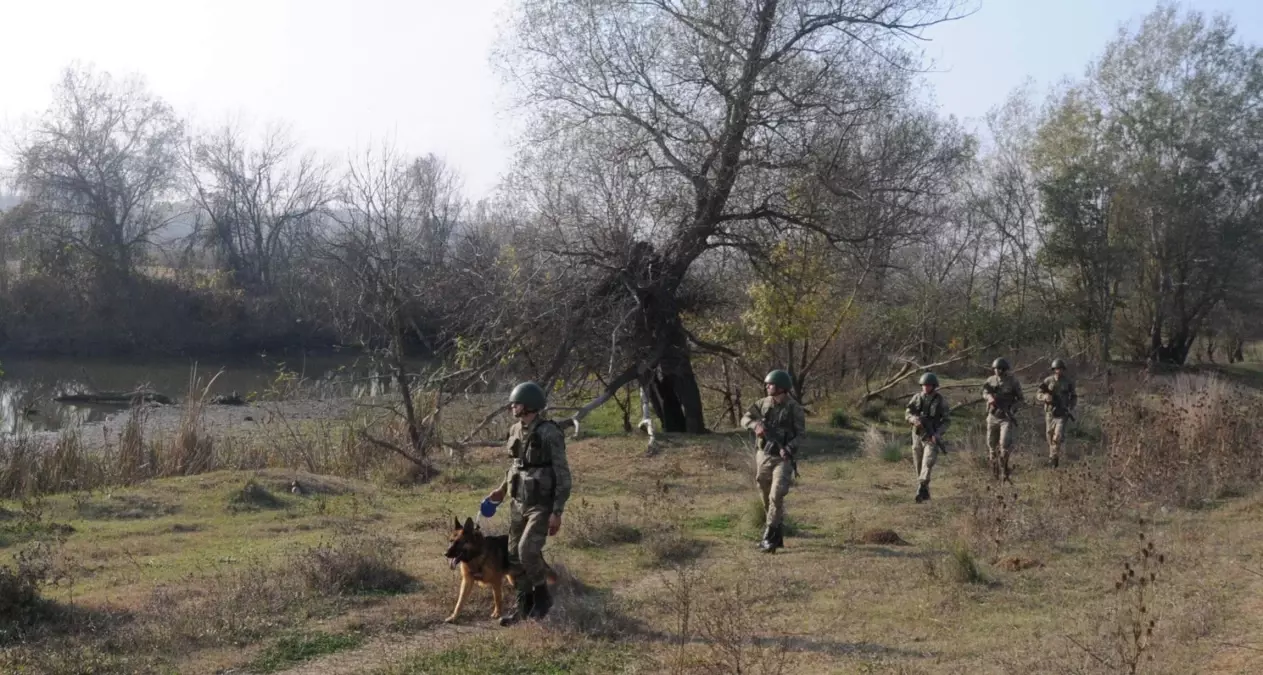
1000	436
773	476
924	455
1056	431
528	530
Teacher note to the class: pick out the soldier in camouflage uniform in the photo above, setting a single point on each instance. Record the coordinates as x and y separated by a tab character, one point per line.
539	484
929	415
1003	393
778	422
1058	394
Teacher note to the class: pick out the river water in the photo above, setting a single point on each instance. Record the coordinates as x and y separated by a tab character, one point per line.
28	386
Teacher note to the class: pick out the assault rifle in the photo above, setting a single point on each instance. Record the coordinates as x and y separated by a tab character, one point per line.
1055	400
924	424
776	438
989	389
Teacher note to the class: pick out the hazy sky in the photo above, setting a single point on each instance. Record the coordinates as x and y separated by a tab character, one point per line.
345	72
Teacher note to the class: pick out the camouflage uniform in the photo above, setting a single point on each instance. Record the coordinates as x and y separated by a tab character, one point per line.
1059	403
1001	424
773	474
539	485
933	412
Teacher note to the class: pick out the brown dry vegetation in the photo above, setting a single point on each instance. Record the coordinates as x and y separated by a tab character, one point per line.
1153	518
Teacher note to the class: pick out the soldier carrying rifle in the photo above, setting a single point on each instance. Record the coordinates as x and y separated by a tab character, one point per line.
778	422
1003	393
1058	394
929	415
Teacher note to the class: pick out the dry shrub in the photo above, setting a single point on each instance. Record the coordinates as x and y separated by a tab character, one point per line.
589	526
663	521
356	563
1194	440
28	468
19	464
132	460
228	607
724	619
20	583
192	451
730	627
874	443
1128	633
583	610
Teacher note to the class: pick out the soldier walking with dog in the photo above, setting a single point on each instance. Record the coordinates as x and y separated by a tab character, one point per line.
778	422
539	484
1057	393
929	415
1003	393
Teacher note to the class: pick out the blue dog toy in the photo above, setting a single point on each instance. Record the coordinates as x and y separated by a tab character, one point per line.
488	508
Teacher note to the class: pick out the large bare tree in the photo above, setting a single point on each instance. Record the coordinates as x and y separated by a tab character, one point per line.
731	119
258	200
100	164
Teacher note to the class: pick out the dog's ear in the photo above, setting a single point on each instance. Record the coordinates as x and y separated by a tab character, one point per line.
457	521
469	524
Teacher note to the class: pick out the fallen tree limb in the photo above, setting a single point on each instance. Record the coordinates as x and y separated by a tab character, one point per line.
115	398
910	368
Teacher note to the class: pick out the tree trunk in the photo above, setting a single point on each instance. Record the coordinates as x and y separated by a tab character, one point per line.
676	398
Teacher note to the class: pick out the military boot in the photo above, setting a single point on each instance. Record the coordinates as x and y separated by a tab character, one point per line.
923	492
525	604
767	538
995	467
774	540
543	602
1054	461
1005	465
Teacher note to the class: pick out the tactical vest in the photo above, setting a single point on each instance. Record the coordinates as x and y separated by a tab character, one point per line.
533	482
780	424
929	408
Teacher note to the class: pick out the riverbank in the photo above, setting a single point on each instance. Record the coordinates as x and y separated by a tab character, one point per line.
224	423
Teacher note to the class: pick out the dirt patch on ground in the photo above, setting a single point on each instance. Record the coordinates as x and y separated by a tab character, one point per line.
1017	563
882	538
125	507
303	483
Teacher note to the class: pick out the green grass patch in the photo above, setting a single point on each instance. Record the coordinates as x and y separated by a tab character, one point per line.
21	530
756	519
506	659
839	419
892	453
965	567
253	497
720	523
293	649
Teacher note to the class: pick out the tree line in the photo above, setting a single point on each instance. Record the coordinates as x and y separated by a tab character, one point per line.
706	190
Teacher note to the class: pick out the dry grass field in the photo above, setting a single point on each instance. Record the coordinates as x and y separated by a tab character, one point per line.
1140	555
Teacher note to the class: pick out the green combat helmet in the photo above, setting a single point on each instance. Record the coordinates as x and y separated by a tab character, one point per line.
930	379
530	395
1000	364
779	378
1058	363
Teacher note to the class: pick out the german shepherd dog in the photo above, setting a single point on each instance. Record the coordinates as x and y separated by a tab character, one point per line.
484	560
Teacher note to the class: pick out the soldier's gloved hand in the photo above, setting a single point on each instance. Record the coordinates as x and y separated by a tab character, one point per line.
554	524
496	495
758	429
785	454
